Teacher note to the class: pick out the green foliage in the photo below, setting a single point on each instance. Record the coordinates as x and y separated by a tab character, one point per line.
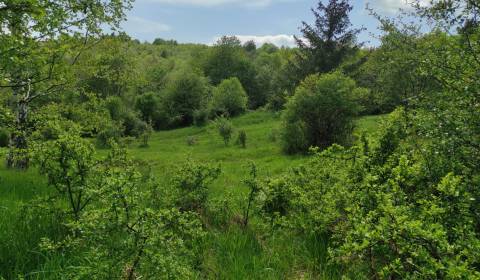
328	42
191	180
67	163
160	41
390	210
227	59
229	98
242	139
4	137
108	221
254	189
191	140
148	105
320	113
110	132
144	132
225	129
220	210
200	117
185	93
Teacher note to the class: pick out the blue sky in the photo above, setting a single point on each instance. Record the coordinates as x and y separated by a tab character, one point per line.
202	21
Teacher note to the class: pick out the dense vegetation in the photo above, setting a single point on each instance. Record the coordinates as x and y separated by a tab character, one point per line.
129	160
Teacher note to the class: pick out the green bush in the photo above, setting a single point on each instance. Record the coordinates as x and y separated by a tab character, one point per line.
191	180
185	92
4	137
229	97
192	140
100	201
320	113
242	138
396	209
111	132
225	129
200	117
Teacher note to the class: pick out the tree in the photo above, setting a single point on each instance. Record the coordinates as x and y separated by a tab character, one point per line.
40	39
229	97
324	45
320	113
250	46
185	92
228	59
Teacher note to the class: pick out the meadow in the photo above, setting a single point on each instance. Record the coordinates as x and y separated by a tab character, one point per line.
232	252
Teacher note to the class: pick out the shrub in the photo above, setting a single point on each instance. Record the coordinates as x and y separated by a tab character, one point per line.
242	139
4	138
220	210
144	134
191	180
320	113
185	92
200	117
191	140
68	164
225	129
229	97
107	220
254	188
111	132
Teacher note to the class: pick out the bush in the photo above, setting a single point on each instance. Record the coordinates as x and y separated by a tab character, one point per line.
148	105
4	138
225	129
191	180
320	113
186	92
229	98
200	117
96	200
242	139
111	132
191	140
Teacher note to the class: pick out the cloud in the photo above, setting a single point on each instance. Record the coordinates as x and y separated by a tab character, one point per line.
278	40
140	25
392	6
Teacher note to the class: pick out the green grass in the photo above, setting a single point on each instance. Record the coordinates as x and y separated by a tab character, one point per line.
232	253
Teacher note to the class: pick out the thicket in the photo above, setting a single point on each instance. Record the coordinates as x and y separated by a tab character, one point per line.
321	113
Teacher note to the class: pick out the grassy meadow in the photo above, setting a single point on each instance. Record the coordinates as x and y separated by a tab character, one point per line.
232	253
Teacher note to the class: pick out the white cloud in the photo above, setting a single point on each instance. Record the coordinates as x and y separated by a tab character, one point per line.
392	6
140	25
278	40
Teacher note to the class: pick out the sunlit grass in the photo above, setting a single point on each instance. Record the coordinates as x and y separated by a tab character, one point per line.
233	253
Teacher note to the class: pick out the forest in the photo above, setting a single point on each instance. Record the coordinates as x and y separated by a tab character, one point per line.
333	159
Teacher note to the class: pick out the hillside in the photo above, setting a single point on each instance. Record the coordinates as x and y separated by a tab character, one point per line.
233	254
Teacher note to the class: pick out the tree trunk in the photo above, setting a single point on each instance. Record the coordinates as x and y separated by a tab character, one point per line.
18	156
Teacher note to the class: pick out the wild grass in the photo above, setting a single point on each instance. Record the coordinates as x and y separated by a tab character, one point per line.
232	252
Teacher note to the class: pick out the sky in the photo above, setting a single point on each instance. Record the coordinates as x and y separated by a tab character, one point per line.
273	21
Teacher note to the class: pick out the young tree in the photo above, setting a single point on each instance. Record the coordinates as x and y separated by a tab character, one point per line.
324	45
39	40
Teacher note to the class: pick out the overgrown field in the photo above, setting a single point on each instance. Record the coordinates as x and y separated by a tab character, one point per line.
231	253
